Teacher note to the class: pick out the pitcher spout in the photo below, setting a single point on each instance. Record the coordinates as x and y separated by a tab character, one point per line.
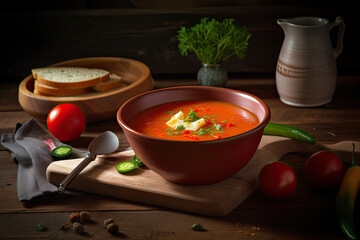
283	23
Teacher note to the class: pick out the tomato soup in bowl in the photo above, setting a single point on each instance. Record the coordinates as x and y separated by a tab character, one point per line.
194	135
195	120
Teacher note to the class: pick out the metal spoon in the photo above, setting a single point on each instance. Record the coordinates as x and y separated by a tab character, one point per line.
107	142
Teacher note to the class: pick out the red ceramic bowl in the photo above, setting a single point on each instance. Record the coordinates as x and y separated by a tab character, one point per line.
194	162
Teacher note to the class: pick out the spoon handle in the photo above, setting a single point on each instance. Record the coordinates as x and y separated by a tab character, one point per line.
88	158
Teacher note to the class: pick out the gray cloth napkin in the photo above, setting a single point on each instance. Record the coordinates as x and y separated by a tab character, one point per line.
29	145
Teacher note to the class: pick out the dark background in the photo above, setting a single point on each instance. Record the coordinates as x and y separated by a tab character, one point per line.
40	33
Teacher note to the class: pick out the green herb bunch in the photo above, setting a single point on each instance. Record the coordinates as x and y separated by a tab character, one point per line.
212	41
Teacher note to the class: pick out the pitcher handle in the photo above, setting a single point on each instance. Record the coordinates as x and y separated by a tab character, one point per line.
339	45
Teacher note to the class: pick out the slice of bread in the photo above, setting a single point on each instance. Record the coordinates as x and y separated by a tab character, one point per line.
114	82
70	77
42	89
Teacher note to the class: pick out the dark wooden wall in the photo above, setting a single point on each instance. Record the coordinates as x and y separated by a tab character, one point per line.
39	33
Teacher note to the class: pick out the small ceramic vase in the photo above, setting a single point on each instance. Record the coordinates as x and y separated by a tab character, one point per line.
306	71
212	75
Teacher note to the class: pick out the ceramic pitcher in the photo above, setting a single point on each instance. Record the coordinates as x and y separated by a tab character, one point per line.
306	71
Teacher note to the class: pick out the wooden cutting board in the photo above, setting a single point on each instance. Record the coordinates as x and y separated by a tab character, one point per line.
143	185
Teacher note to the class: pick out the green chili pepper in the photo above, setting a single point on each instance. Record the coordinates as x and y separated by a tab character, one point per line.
289	131
138	162
345	200
125	166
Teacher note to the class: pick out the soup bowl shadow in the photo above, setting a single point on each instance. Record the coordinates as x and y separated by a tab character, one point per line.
194	162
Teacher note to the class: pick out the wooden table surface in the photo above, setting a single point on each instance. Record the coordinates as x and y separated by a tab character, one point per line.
308	214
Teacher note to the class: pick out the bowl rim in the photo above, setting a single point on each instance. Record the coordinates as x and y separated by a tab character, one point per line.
145	73
261	124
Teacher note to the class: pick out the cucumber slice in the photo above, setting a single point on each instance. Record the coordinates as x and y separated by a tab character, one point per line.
61	152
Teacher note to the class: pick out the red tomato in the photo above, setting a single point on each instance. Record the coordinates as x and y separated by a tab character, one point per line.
66	122
277	180
324	169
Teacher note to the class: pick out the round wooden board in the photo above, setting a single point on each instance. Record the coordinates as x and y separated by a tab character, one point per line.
96	106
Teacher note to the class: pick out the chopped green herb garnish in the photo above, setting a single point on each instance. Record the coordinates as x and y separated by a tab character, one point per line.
203	131
172	132
215	131
214	135
180	127
200	132
170	112
41	227
192	116
218	126
207	117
